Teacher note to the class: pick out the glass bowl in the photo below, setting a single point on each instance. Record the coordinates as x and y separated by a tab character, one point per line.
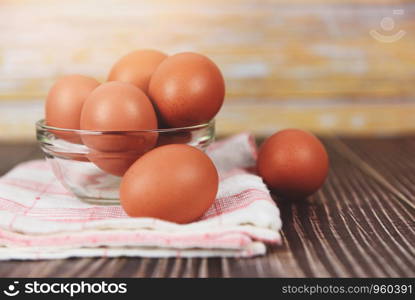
90	163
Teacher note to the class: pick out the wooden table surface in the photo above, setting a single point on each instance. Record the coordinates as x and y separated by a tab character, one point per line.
360	224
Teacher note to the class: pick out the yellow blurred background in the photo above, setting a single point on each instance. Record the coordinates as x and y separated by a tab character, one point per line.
331	66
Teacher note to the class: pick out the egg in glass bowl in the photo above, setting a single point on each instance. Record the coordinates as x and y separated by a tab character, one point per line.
95	178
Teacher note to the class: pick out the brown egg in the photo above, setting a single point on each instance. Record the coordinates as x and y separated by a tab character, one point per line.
115	163
64	104
293	163
187	89
176	183
137	67
116	107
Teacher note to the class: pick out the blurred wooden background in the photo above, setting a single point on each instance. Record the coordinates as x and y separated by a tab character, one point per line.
329	66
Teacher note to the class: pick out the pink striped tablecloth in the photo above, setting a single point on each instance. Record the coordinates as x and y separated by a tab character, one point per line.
39	219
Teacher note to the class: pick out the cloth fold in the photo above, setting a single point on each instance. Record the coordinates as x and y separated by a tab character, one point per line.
39	219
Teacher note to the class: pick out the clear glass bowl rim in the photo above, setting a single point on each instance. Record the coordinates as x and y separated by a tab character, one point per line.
40	125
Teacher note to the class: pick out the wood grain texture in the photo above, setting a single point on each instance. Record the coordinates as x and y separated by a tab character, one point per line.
355	226
268	50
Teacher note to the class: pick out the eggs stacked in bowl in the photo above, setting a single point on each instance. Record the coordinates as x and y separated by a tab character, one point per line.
145	90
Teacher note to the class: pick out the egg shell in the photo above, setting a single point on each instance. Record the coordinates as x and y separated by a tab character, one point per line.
64	104
137	67
176	183
115	163
294	163
120	110
187	89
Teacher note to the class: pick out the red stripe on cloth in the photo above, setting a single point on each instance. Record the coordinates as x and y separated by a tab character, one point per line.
235	202
221	206
221	239
11	206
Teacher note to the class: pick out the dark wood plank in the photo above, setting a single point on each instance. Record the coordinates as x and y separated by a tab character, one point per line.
359	224
12	154
392	159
